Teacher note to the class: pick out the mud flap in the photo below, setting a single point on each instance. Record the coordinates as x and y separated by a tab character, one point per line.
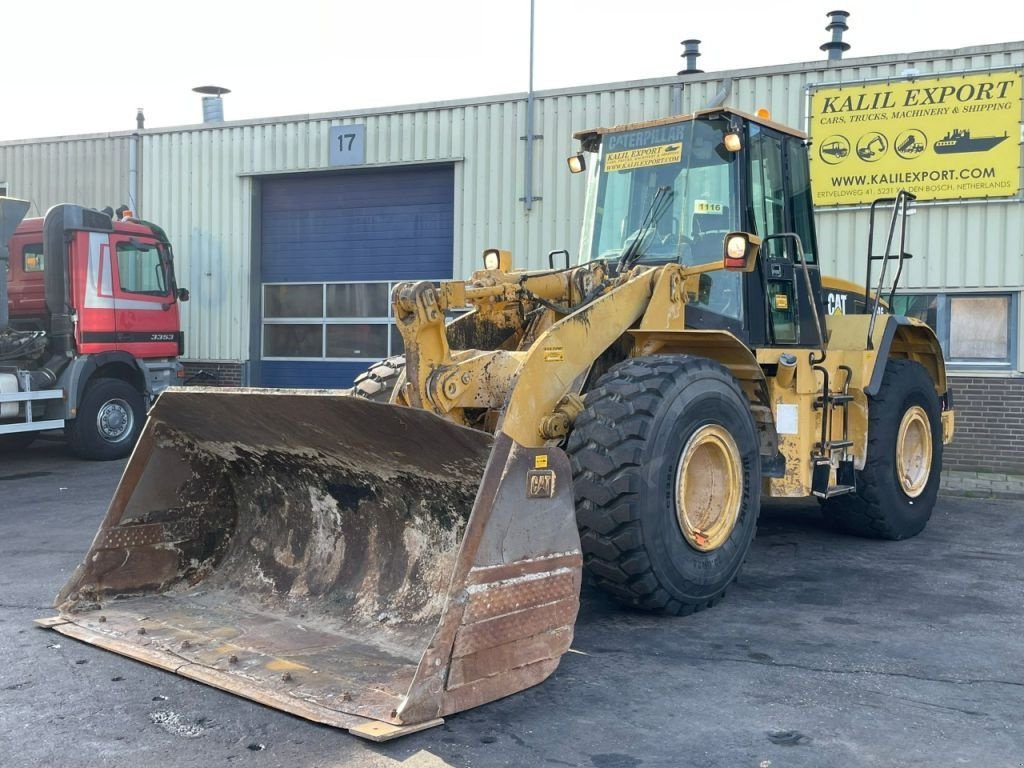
366	566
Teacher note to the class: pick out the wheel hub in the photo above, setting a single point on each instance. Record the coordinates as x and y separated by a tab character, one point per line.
914	451
115	420
709	488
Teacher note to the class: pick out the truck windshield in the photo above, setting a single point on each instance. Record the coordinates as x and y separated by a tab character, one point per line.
669	193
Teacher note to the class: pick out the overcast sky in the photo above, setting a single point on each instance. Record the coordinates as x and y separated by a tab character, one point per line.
79	67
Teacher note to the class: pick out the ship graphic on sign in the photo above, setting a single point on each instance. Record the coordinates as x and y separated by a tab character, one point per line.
961	141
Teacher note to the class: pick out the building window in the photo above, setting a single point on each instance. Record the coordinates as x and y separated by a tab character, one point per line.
976	331
979	328
329	321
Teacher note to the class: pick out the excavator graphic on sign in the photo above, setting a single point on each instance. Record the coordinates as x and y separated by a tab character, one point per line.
874	147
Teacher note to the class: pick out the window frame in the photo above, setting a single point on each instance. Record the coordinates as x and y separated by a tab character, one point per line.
324	320
24	259
944	317
161	262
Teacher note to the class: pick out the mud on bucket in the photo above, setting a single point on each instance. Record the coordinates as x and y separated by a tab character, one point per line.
366	566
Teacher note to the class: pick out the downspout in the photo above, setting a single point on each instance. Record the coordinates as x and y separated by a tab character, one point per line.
528	173
133	175
133	165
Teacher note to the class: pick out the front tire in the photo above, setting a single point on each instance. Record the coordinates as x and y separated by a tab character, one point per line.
897	489
109	421
668	482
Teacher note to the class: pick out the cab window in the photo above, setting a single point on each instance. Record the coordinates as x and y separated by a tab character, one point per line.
32	258
141	269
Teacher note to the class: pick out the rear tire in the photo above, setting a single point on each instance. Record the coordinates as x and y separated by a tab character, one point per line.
904	433
109	421
379	381
668	482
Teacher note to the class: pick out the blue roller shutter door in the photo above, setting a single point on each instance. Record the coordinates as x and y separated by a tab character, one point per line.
331	247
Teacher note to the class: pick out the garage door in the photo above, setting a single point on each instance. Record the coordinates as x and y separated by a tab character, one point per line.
332	247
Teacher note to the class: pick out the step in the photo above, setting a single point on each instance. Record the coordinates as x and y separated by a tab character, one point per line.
840	400
833	445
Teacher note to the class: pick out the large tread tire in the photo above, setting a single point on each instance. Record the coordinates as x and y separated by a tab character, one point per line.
109	421
379	381
880	509
625	449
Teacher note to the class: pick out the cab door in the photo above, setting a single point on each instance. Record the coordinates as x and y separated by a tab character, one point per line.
781	203
146	318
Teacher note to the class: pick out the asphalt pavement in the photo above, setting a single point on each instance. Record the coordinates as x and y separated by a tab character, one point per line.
831	651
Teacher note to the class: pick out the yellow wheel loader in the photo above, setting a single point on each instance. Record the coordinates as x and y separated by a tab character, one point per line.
378	566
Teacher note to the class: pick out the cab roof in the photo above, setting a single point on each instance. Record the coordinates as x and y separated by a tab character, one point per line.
593	134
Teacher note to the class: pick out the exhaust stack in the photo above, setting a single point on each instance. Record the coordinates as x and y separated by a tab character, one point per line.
691	50
837	25
213	104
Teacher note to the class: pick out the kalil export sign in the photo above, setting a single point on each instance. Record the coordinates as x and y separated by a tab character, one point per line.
940	138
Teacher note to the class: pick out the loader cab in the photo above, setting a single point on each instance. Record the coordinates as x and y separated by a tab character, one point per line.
671	190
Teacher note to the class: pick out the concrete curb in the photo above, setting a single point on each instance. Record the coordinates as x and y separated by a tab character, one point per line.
982	485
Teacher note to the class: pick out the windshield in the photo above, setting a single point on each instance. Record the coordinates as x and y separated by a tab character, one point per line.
669	193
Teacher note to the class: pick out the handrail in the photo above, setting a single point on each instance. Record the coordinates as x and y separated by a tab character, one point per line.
899	204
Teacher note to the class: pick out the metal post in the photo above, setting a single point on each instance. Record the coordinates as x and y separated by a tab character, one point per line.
133	174
528	173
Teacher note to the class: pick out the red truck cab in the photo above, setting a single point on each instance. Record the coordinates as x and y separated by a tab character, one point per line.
121	285
93	328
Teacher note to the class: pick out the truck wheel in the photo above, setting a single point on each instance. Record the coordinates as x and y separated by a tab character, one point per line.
110	418
380	380
16	441
668	482
897	488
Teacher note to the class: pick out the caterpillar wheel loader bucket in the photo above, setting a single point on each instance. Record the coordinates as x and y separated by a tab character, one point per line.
367	566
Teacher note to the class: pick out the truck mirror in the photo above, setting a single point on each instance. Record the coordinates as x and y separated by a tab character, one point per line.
183	294
741	249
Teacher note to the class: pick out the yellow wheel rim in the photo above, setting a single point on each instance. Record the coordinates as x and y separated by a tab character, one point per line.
914	451
709	488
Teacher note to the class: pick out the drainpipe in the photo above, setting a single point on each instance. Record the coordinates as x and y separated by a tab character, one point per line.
133	164
528	197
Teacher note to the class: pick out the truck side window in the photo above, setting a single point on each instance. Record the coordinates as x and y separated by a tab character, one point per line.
140	269
32	258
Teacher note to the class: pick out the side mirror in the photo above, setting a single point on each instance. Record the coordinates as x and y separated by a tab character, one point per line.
740	251
183	294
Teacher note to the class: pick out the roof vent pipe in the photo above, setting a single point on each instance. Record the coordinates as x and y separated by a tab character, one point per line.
213	105
837	25
691	50
140	120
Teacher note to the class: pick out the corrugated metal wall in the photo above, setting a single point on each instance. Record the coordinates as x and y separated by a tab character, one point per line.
87	170
198	181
